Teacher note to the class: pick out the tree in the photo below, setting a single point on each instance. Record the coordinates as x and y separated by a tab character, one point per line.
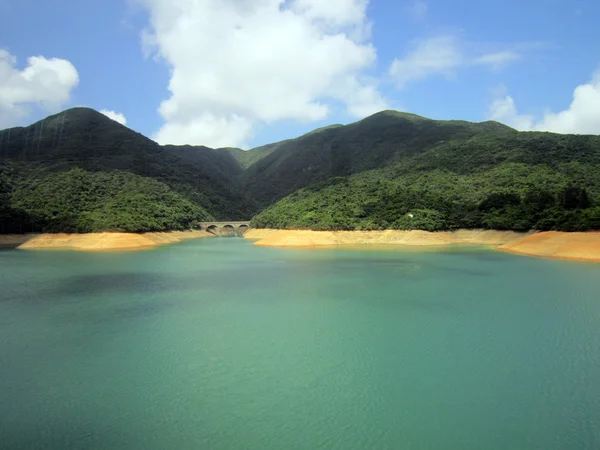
574	197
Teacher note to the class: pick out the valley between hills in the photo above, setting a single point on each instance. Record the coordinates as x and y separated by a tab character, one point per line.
78	179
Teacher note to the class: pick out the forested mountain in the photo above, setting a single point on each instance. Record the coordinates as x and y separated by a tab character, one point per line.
510	196
80	171
377	141
395	170
84	139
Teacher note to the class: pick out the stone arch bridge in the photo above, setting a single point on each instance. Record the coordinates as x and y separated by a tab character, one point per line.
228	228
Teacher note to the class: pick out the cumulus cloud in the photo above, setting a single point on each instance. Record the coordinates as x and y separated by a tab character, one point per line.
443	56
116	116
581	117
46	83
236	63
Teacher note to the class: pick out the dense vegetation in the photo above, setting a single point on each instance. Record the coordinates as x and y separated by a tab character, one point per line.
82	202
80	171
375	142
512	196
395	170
12	220
84	138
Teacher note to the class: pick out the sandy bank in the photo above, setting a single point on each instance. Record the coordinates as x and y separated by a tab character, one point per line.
259	233
107	241
551	244
554	244
304	238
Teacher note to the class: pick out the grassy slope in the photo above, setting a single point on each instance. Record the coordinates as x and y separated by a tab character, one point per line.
246	158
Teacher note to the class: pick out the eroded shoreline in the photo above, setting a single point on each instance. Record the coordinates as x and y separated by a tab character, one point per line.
550	244
97	241
582	246
307	238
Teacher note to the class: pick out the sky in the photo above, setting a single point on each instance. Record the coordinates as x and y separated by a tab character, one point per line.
243	73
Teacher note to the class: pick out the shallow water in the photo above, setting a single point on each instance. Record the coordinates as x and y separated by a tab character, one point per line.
215	344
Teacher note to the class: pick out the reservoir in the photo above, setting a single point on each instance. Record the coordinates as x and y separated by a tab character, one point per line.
217	344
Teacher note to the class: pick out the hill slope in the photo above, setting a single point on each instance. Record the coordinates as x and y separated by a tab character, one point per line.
402	171
195	182
81	138
80	201
245	158
511	196
374	142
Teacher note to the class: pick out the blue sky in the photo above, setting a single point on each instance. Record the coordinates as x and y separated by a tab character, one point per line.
245	73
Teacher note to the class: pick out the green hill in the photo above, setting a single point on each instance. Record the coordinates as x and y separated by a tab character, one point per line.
390	170
80	201
377	141
405	172
511	196
81	138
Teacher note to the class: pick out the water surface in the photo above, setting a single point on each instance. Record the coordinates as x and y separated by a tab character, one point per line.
215	344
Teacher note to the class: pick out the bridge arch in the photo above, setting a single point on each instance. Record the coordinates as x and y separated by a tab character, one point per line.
226	228
214	229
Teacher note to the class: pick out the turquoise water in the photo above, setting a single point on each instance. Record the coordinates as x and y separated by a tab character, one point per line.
215	344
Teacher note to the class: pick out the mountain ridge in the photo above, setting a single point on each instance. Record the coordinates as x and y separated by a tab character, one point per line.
230	183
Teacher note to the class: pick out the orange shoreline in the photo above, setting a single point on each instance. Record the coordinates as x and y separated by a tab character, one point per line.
551	244
558	245
555	245
107	241
414	238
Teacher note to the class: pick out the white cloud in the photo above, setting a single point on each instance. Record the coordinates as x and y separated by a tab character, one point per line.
435	56
504	110
226	130
497	60
443	56
116	116
419	9
46	83
332	12
235	63
581	117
